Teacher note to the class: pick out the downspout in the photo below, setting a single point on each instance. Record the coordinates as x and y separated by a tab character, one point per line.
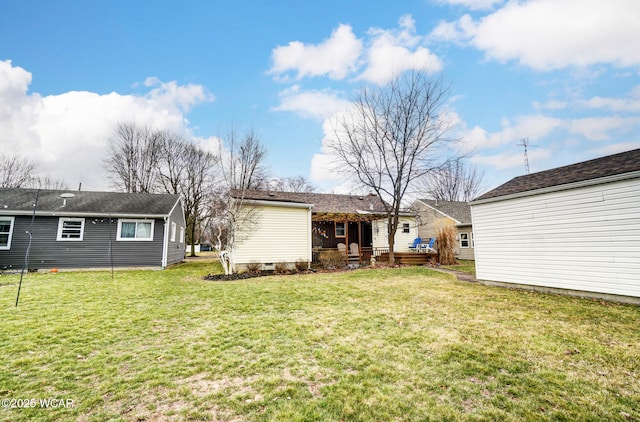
165	246
310	239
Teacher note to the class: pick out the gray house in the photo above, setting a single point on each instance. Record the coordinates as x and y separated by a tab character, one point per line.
432	211
78	229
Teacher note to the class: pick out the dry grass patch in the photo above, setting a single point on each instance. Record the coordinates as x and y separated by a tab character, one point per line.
372	344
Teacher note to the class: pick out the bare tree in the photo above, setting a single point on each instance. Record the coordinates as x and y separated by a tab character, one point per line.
242	168
47	182
132	160
196	189
394	135
15	171
187	170
455	181
291	184
172	163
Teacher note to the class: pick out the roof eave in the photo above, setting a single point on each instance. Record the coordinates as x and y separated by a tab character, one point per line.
558	188
81	214
440	211
275	203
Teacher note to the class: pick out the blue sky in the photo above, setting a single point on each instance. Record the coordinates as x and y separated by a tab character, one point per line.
564	74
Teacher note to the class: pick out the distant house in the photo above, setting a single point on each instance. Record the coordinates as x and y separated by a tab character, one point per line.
289	227
458	213
574	228
84	229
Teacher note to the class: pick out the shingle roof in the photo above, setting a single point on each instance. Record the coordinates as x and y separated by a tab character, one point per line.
322	202
86	202
458	210
611	165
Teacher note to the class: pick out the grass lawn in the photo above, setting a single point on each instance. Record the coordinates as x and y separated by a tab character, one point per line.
466	266
371	344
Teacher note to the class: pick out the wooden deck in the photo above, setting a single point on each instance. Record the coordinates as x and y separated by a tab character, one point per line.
409	258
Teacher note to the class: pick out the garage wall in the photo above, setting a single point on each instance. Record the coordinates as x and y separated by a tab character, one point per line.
585	239
280	234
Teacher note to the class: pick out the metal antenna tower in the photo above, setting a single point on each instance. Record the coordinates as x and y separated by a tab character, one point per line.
525	143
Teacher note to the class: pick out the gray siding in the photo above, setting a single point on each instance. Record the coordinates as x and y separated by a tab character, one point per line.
175	250
92	252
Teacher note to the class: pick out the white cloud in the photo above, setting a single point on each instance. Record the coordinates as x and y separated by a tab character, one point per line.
551	105
458	31
547	34
613	149
629	103
393	51
311	104
172	95
387	53
601	128
67	134
473	4
335	57
510	160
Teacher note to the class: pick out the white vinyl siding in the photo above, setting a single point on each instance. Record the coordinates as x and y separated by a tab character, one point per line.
6	232
585	239
280	234
402	239
135	230
70	229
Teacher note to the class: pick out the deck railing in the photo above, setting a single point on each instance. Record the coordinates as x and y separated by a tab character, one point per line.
365	254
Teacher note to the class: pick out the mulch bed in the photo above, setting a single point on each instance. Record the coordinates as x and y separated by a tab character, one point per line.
246	275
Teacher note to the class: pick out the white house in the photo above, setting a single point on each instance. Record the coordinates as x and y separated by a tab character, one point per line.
292	227
573	229
276	232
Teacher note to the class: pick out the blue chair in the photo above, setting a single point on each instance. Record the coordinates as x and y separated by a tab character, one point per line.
415	246
429	247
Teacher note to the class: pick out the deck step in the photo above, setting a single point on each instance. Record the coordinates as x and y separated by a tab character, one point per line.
409	258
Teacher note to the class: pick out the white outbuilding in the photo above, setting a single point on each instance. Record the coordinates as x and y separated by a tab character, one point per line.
573	229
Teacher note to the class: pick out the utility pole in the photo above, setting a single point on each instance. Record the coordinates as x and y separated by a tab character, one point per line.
525	143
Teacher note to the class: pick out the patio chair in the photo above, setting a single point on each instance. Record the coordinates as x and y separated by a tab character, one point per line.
415	246
354	253
429	247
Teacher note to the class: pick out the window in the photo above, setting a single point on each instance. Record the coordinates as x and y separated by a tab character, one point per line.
405	228
6	232
341	229
173	231
181	234
70	229
464	240
135	229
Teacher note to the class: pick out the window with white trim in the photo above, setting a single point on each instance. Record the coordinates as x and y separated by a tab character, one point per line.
406	228
132	230
181	234
174	226
341	229
464	240
6	232
70	229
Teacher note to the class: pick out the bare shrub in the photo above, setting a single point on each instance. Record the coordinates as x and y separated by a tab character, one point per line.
302	265
332	259
254	267
445	241
281	268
